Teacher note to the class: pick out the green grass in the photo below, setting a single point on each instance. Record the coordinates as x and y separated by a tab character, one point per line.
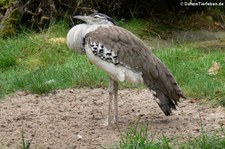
29	62
190	67
138	137
146	29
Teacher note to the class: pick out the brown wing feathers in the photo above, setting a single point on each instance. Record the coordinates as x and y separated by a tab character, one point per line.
133	53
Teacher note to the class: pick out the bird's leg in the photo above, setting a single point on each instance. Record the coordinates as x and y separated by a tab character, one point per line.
110	90
115	91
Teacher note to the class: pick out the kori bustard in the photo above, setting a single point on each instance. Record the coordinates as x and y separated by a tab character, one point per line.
123	56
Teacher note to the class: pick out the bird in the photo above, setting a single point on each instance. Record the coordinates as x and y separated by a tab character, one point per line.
123	56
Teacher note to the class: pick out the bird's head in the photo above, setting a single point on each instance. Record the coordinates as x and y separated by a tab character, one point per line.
97	18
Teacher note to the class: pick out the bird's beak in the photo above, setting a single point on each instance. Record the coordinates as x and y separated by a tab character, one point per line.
79	17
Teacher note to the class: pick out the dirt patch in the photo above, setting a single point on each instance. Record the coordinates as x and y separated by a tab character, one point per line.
73	118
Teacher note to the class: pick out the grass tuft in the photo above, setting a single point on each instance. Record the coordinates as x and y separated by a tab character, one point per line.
138	137
26	144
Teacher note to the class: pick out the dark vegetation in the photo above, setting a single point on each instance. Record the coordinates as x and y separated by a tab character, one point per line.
39	14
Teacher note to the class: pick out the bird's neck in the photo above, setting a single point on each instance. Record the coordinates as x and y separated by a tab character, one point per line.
93	27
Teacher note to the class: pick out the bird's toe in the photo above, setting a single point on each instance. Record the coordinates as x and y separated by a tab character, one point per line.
105	123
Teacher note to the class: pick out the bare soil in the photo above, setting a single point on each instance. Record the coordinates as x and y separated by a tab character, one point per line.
73	118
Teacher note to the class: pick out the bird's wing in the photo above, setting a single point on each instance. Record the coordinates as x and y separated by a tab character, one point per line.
129	51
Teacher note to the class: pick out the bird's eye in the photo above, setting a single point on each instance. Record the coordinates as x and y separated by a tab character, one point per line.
96	16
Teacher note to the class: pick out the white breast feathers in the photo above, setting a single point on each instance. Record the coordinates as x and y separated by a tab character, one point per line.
107	60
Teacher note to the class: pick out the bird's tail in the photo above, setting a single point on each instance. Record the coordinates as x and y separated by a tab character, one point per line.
165	89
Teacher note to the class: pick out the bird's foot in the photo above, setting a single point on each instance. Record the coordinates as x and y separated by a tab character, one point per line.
115	120
107	123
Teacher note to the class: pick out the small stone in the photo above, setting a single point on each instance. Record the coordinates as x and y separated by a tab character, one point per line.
79	137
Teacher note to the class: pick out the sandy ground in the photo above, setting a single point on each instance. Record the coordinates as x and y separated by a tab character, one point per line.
73	118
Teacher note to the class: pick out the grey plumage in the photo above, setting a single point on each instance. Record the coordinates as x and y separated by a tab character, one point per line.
122	56
134	54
